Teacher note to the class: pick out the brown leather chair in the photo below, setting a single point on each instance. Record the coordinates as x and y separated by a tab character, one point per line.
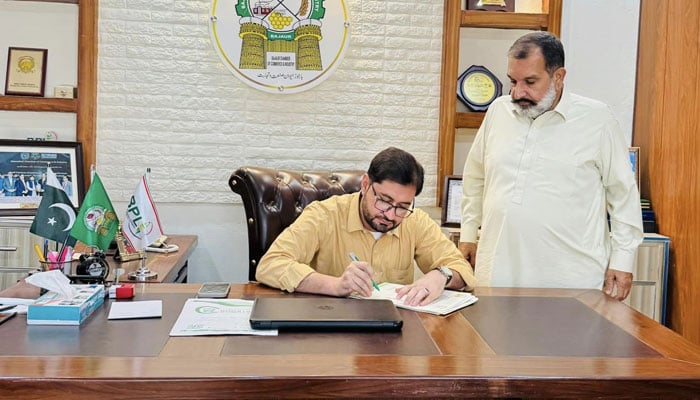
273	199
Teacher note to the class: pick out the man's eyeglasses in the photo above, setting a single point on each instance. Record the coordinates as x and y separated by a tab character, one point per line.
384	206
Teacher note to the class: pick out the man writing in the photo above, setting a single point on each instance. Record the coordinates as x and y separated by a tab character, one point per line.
382	227
546	169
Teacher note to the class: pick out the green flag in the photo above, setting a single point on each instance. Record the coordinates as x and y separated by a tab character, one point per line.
55	216
96	223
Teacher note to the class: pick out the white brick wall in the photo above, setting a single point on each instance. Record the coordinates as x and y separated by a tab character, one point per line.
166	101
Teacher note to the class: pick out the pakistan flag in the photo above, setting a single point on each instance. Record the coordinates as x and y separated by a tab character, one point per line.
96	223
55	216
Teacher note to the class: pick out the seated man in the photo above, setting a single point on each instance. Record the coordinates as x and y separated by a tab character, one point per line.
381	226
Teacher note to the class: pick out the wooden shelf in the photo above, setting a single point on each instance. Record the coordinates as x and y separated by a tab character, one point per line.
469	119
455	18
85	108
503	20
24	103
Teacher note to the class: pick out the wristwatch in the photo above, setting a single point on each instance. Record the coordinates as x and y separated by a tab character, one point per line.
446	272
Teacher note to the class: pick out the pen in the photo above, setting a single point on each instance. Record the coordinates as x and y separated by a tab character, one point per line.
353	257
5	308
38	252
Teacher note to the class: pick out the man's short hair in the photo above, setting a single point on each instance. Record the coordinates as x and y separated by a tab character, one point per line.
551	48
397	166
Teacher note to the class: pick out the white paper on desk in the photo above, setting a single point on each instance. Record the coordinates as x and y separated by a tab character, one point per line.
136	309
20	304
449	301
216	317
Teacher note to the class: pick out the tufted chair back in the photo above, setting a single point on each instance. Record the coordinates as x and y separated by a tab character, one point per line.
273	199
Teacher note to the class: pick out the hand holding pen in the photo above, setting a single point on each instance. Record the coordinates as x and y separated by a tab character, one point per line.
353	257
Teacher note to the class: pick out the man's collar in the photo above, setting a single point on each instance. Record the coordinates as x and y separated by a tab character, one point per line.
564	105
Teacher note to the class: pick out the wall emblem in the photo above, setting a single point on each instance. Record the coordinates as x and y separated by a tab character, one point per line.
280	46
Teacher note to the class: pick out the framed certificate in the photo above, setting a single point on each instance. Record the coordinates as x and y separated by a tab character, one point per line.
23	179
26	71
452	201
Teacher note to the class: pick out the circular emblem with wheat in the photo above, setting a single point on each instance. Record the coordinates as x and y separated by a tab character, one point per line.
280	46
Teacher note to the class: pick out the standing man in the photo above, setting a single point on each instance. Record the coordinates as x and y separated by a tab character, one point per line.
546	169
380	225
8	184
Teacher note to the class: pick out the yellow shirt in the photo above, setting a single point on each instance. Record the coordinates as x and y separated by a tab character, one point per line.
323	236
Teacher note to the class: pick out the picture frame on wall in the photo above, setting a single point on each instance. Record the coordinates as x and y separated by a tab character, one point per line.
27	162
634	161
26	71
452	201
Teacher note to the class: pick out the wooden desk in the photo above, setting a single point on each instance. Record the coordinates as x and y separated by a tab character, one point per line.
171	267
512	343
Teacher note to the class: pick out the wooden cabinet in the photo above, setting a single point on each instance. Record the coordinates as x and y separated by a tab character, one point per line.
17	254
85	105
648	294
456	18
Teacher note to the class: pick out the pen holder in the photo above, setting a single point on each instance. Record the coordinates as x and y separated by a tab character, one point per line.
65	266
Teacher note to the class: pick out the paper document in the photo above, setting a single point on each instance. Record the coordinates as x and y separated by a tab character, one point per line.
216	317
136	309
449	301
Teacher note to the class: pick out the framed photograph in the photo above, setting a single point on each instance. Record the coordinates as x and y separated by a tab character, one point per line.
634	160
452	201
23	165
26	71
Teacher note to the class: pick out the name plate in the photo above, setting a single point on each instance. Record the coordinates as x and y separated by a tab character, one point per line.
477	88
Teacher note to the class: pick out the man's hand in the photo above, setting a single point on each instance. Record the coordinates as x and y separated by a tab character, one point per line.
424	290
617	284
468	250
356	278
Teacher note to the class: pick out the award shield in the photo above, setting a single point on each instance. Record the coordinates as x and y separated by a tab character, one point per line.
477	88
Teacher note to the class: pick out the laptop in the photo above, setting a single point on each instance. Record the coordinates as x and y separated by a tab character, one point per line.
324	313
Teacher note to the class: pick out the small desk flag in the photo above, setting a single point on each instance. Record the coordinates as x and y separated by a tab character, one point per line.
55	216
96	223
142	225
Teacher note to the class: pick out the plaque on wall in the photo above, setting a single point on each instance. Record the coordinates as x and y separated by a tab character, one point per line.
477	88
26	71
491	5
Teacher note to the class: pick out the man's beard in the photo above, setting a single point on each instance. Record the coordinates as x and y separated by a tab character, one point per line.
372	221
534	110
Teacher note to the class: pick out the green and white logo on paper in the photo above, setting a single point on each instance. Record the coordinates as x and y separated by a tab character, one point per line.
280	46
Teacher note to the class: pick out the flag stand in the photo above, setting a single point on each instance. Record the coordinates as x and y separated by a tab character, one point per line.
143	273
125	252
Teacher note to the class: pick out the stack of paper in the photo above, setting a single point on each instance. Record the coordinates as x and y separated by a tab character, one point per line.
449	301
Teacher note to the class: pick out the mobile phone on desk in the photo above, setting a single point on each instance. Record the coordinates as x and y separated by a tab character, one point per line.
6	315
214	289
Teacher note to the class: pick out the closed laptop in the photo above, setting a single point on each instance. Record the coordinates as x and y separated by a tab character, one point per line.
324	313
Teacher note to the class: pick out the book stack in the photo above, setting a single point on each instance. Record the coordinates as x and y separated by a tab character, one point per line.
648	217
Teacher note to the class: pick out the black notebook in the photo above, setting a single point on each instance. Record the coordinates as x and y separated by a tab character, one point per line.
324	313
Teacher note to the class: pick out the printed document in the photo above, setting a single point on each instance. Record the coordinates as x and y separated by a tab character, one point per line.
449	301
216	317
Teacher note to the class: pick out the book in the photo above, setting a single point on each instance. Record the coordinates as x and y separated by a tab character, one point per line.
448	302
